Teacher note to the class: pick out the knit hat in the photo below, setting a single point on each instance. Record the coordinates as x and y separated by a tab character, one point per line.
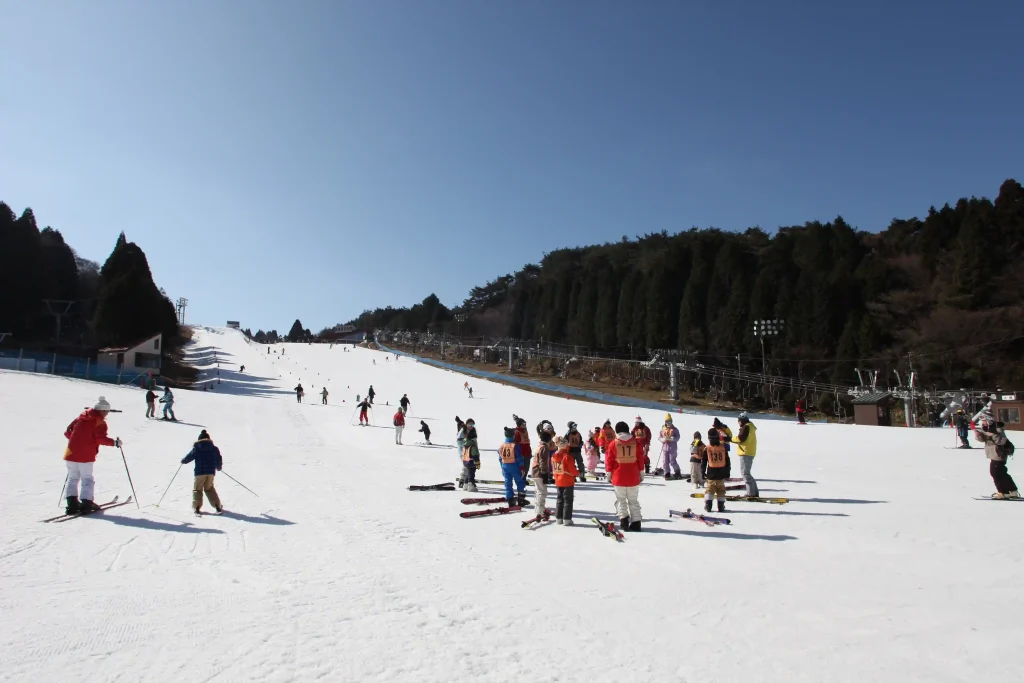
101	404
714	438
203	435
621	428
696	435
509	432
668	418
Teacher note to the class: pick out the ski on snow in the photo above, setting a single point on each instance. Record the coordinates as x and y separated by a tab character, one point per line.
689	514
749	499
489	511
447	486
1008	500
106	506
539	520
609	529
481	501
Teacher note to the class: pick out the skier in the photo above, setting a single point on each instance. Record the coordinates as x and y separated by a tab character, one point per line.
623	460
539	469
470	457
363	407
563	465
471	392
800	408
85	435
460	441
511	459
404	403
522	440
575	440
323	396
642	434
150	403
168	400
399	422
208	462
717	469
605	436
724	432
997	449
370	394
669	438
546	432
241	369
591	451
299	391
960	420
426	431
746	442
698	461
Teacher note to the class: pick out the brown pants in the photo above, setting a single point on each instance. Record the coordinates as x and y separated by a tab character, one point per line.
204	482
714	486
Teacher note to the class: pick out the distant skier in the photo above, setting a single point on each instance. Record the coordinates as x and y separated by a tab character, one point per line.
150	403
575	441
801	407
323	396
961	422
642	434
363	407
425	430
746	442
208	462
563	466
997	449
623	460
471	392
404	403
717	469
399	421
511	458
540	468
370	394
590	451
85	435
299	392
168	400
698	461
669	438
470	457
241	369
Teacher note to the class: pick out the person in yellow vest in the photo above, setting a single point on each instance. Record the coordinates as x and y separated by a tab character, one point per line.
746	444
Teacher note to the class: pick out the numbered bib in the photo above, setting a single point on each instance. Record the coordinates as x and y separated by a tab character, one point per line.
716	456
625	452
507	453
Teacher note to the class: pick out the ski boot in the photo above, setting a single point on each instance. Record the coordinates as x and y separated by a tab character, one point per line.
634	526
522	501
470	487
583	479
624	523
998	496
721	506
73	506
567	522
1013	494
707	505
87	506
668	477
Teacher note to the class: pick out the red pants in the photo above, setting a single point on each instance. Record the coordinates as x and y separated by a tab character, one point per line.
363	418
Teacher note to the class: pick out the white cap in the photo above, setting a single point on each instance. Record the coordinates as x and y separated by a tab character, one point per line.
101	404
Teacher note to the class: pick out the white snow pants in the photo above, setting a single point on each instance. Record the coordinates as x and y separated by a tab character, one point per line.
627	503
398	434
80	471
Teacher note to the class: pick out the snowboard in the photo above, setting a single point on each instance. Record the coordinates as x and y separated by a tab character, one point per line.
689	514
749	499
489	511
609	529
447	486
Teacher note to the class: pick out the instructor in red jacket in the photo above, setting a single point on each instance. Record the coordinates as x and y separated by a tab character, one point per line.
85	436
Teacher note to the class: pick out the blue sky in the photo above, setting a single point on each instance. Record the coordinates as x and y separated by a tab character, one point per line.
314	158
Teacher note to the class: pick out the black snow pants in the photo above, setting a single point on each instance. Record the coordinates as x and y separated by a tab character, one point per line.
563	503
1000	477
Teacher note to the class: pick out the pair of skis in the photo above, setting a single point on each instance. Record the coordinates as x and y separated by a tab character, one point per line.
749	499
542	519
106	506
689	514
447	486
609	529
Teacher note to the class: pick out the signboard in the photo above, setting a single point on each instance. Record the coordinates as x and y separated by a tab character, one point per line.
234	324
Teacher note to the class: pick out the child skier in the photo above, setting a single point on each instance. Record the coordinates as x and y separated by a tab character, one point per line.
642	434
399	422
150	403
85	435
563	465
364	406
323	396
299	391
404	403
605	436
208	462
426	431
470	457
669	438
522	440
717	470
539	469
624	463
575	440
997	450
546	433
591	452
370	394
168	400
698	460
460	441
511	460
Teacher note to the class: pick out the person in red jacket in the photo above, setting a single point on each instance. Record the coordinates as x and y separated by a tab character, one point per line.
642	434
85	435
399	422
625	466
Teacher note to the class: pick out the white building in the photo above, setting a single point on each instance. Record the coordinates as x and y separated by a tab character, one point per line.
138	358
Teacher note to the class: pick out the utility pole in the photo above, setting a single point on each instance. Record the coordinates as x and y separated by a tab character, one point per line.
460	318
58	314
767	328
182	303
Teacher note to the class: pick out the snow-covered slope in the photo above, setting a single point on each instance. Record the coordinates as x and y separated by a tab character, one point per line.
882	568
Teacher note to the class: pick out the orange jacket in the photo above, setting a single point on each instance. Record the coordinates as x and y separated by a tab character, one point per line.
85	436
605	437
563	466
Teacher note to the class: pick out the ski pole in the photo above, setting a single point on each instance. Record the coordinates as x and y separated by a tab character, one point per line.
62	489
169	485
239	483
129	477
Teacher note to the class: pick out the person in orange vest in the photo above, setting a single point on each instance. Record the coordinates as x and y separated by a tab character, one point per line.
642	434
605	435
399	422
563	465
625	466
521	439
717	470
85	435
575	440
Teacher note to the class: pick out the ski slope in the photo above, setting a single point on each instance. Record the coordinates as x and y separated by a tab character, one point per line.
882	568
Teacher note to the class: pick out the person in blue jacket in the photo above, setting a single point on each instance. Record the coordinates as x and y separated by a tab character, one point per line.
208	462
510	456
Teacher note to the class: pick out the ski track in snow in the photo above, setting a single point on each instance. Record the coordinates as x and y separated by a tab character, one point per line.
881	568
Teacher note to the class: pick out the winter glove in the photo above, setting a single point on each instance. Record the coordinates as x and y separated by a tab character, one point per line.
117	442
183	461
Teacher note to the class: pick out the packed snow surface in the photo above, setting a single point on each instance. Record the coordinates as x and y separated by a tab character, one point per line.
881	568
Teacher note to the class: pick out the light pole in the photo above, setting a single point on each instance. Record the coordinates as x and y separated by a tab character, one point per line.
460	318
182	303
767	328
